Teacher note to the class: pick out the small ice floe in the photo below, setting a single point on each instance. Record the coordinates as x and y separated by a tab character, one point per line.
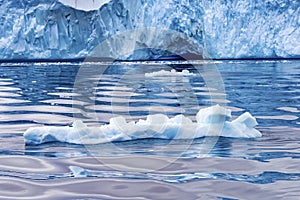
172	73
211	121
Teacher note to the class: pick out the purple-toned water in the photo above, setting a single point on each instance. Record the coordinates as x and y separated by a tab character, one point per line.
36	94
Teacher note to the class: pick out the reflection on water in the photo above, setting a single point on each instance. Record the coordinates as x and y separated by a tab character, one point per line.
36	95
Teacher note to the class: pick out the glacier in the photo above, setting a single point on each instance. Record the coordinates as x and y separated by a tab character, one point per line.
210	121
216	29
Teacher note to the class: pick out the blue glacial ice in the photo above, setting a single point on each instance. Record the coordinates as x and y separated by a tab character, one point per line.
211	121
67	29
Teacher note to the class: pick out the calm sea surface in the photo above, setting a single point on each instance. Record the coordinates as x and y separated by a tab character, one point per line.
55	94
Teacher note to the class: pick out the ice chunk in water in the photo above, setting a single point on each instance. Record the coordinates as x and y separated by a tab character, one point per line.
171	73
211	121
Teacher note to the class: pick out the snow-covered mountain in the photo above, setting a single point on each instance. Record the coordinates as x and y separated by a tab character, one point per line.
63	29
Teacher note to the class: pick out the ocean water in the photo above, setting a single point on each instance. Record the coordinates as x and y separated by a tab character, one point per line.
37	94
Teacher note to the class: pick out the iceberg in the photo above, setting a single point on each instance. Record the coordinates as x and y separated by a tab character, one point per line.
71	29
211	121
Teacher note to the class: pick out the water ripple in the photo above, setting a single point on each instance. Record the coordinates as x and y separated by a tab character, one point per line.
34	94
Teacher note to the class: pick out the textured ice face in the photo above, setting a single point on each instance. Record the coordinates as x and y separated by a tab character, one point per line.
212	121
213	115
59	29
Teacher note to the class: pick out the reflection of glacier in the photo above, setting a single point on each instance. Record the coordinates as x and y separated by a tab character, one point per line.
211	121
55	29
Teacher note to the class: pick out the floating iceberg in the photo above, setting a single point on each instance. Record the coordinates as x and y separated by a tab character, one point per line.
211	121
171	73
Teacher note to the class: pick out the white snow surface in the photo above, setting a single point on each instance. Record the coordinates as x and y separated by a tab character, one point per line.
85	5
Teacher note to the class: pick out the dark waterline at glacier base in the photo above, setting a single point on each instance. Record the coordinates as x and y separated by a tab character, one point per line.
185	57
33	94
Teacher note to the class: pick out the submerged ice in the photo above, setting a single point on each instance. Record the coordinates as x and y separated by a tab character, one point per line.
60	29
211	121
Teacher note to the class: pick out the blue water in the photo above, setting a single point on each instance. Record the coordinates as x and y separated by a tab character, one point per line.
36	94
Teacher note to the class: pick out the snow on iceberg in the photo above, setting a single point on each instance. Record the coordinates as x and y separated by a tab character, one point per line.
211	121
86	5
173	72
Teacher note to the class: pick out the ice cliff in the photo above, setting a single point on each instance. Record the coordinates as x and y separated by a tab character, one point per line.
62	29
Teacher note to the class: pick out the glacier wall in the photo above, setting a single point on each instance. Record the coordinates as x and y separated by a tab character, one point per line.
67	29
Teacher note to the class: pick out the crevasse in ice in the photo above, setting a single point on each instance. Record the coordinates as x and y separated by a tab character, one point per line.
60	29
211	121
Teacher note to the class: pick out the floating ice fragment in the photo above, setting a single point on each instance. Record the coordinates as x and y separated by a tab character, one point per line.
171	73
211	121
